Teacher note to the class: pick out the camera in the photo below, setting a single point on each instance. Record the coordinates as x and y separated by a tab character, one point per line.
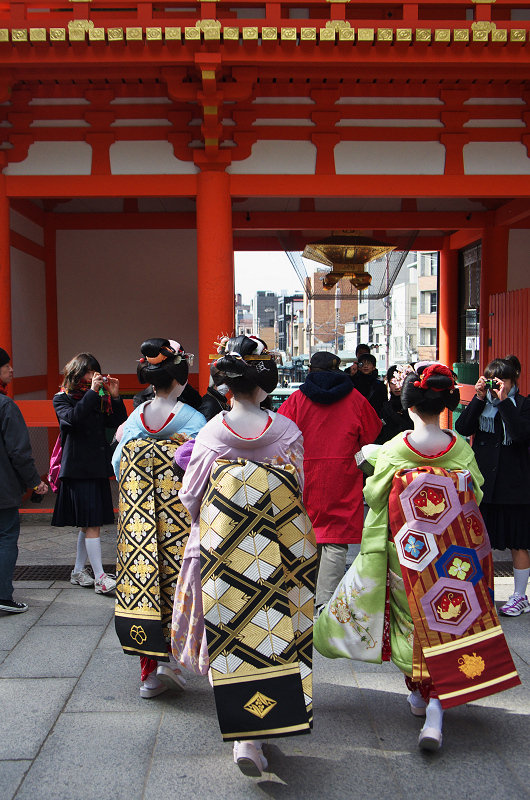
492	383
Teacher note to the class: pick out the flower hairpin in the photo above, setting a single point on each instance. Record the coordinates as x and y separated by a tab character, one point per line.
400	373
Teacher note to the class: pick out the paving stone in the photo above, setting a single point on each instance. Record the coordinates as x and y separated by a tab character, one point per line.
84	606
52	651
3	655
33	585
110	639
29	710
14	626
94	756
36	598
11	774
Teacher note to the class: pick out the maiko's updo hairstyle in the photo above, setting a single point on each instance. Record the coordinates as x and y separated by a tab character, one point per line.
430	389
162	362
239	365
504	368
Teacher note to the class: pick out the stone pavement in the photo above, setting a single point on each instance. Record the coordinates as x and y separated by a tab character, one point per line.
75	727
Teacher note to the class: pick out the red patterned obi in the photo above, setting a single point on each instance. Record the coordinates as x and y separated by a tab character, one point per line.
447	567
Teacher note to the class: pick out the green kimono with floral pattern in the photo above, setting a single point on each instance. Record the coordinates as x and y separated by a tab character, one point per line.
378	559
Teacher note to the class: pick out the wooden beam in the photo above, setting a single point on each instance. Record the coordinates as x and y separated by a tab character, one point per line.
26	245
25	186
512	212
463	238
29	210
125	221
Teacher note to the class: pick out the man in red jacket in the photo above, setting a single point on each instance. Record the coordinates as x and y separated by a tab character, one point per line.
336	421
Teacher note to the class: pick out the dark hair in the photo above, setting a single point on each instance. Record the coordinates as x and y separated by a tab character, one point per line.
517	364
77	368
390	373
364	347
242	377
430	389
162	364
503	368
367	357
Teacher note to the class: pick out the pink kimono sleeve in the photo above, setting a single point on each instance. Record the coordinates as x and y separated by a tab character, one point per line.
196	478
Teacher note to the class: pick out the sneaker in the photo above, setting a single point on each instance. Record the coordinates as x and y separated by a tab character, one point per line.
81	578
249	758
171	679
105	584
151	687
12	607
516	605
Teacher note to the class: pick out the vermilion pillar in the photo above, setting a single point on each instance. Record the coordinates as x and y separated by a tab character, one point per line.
215	264
52	335
448	305
6	340
493	280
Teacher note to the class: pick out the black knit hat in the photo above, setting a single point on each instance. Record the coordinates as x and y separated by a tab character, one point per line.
324	360
5	358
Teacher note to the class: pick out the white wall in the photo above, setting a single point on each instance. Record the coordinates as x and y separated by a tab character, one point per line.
117	288
519	260
28	309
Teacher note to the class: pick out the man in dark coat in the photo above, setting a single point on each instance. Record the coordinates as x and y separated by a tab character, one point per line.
367	382
214	401
17	474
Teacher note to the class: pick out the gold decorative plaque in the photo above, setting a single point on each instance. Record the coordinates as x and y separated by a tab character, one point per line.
346	34
231	33
480	36
327	34
308	34
404	35
19	34
250	33
500	35
337	23
442	35
134	34
288	33
37	34
96	35
115	34
365	35
192	33
461	35
4	35
173	33
423	34
212	33
269	33
385	34
518	35
153	34
57	34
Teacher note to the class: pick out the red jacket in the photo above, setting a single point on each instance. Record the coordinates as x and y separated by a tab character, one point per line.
333	483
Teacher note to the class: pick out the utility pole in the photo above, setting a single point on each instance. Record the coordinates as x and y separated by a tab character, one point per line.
337	317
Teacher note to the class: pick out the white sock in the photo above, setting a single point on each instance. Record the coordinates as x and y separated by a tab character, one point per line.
521	580
81	556
434	716
173	664
93	547
417	700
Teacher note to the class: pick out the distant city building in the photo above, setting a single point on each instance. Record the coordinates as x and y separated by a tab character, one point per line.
324	324
265	317
290	308
244	321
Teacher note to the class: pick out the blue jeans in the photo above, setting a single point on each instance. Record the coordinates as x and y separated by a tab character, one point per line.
9	531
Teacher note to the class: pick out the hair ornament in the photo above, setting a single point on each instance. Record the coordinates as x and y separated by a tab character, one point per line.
435	368
400	373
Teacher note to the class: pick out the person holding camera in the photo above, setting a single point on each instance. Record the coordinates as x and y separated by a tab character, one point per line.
499	419
87	404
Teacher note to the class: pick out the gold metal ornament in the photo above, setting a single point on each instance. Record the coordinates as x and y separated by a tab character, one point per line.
347	253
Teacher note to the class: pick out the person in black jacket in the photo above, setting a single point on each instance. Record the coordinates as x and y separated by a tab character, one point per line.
499	419
395	418
214	401
87	404
17	473
367	382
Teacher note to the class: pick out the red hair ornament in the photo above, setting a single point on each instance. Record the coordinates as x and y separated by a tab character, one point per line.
435	369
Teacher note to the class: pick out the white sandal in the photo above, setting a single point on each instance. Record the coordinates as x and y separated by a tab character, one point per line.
249	758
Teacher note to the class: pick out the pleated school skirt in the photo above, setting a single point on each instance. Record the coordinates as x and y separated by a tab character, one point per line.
83	503
508	526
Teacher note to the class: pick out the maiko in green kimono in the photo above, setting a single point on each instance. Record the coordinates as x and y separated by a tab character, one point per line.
421	590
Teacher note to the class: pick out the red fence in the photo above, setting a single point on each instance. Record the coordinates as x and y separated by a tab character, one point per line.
510	331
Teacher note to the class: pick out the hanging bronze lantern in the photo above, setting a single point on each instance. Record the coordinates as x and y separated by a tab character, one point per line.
347	253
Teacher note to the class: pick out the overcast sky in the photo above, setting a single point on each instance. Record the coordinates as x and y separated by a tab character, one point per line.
270	272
